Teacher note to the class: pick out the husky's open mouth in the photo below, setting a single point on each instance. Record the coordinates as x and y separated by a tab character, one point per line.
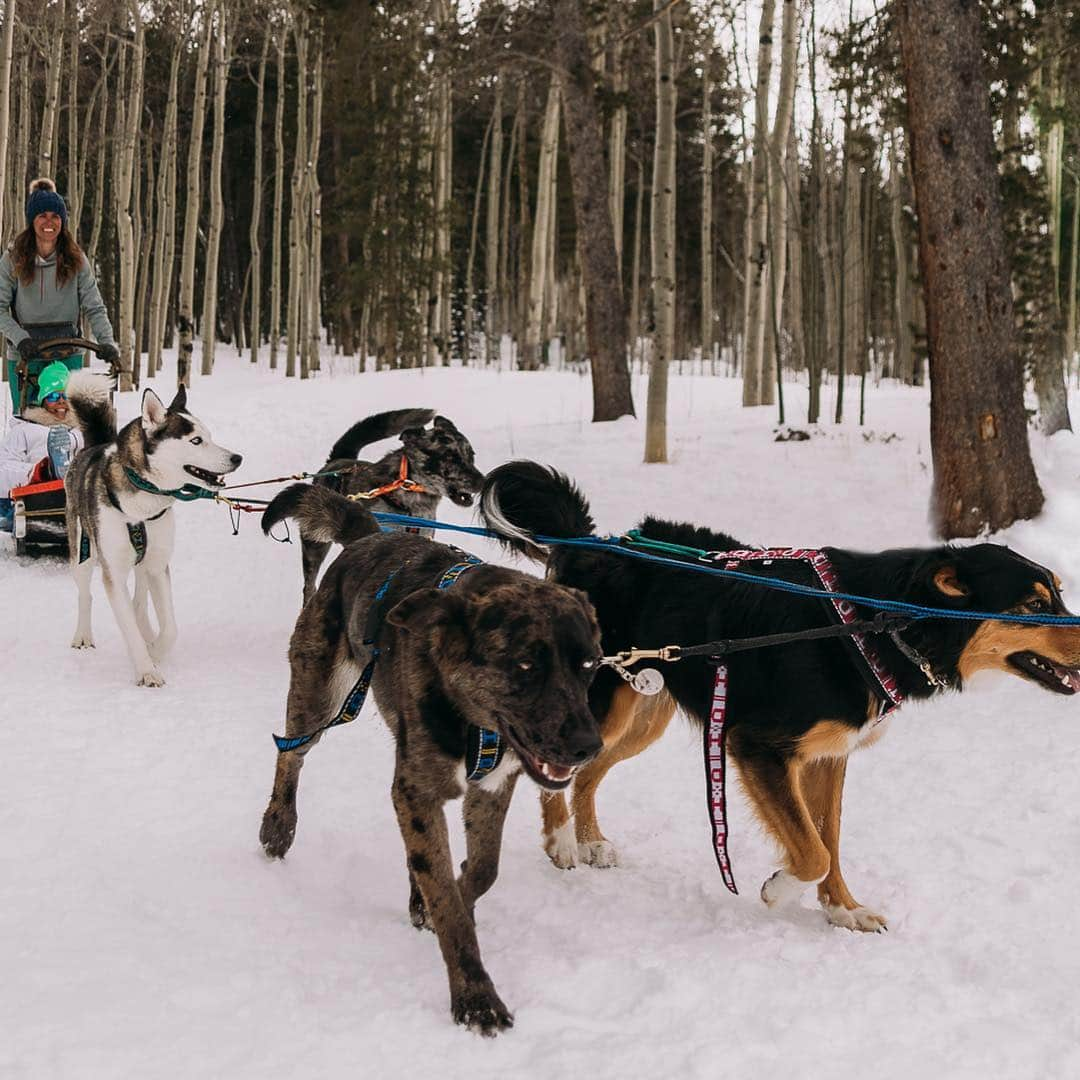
1056	677
544	773
208	478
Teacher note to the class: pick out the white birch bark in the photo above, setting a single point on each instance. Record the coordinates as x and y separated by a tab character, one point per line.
256	205
186	299
757	248
663	239
538	274
217	203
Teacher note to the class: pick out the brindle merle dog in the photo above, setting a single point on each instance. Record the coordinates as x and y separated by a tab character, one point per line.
499	650
797	710
439	460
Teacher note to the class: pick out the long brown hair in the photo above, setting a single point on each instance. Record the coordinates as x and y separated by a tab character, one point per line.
69	256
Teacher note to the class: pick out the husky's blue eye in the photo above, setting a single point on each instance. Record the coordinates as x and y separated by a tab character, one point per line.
197	440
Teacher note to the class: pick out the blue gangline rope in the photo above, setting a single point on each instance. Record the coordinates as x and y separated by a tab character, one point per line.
614	545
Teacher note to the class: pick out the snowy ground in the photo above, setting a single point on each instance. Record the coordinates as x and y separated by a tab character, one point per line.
144	935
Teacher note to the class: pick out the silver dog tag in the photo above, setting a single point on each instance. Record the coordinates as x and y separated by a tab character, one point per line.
648	681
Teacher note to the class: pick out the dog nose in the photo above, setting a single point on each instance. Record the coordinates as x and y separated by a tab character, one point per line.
235	459
582	741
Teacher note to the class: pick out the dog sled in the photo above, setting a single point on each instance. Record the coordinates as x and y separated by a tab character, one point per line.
40	508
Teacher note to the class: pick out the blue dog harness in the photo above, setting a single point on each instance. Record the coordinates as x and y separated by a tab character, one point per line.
484	746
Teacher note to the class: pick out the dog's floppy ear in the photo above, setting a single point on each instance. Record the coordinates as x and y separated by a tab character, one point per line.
411	434
153	411
948	583
424	609
448	425
179	403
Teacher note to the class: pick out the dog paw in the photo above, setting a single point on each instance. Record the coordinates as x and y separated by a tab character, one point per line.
562	847
859	918
277	832
783	889
481	1010
82	641
153	677
598	853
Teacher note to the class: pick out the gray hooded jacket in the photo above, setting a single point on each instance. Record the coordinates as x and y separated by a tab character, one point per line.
43	309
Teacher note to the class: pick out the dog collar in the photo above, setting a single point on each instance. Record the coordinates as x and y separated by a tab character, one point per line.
187	493
484	746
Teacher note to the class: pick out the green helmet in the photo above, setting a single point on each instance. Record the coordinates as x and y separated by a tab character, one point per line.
52	378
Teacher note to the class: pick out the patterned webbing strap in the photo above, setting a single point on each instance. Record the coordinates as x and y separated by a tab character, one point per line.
485	748
354	701
715	755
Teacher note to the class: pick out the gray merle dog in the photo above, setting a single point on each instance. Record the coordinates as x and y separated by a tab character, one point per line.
430	463
500	654
120	493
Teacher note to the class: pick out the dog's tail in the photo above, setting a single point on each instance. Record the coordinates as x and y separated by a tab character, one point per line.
522	499
323	515
89	394
382	425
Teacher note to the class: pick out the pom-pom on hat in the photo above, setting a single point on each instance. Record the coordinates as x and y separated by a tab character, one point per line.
43	200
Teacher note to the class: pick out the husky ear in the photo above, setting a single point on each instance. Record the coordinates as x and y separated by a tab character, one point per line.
179	403
946	582
447	425
153	411
426	608
411	434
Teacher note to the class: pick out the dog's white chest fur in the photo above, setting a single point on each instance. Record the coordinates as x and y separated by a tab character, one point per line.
509	766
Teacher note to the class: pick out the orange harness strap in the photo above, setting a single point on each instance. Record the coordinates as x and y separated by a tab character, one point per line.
401	483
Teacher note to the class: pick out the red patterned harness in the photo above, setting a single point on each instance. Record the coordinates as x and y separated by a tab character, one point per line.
715	758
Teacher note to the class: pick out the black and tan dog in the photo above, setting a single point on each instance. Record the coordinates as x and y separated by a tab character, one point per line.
498	652
430	463
796	711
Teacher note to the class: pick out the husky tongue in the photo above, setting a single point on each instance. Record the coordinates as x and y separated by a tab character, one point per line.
1070	677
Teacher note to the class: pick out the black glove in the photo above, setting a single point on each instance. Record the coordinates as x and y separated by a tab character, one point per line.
109	353
27	348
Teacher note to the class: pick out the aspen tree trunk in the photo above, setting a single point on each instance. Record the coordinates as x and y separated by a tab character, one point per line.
524	237
74	193
794	307
297	260
851	315
707	329
605	312
507	293
983	475
54	62
905	351
89	129
778	197
217	202
22	147
470	299
7	51
549	145
757	246
102	150
129	114
493	282
314	207
144	220
279	184
617	138
1070	332
186	298
663	238
256	204
635	268
165	247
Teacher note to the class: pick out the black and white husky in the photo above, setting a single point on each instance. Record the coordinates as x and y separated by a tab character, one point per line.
120	494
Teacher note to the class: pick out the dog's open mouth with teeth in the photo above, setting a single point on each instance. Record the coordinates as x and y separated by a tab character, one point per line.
1056	677
547	774
204	477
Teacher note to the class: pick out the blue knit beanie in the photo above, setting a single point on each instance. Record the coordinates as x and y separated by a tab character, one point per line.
43	200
